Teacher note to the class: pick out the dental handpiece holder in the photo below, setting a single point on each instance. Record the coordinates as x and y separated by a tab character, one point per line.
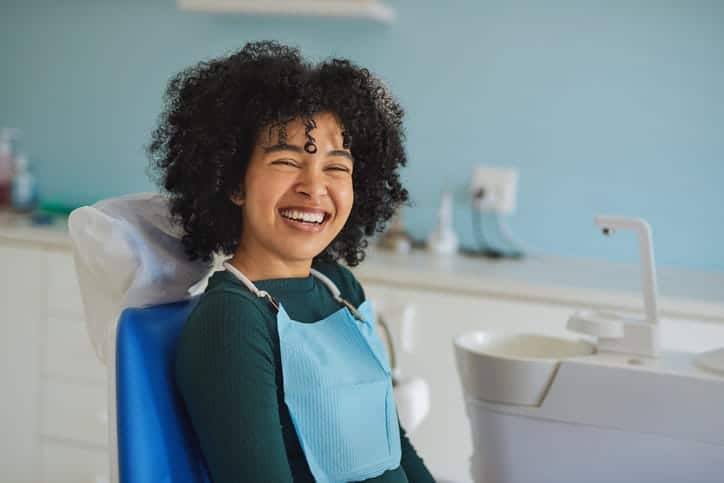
615	332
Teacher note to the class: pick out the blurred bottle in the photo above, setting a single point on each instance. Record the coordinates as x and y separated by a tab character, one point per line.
444	240
6	165
396	238
24	192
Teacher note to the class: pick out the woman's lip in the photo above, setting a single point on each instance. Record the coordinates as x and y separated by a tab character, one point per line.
305	226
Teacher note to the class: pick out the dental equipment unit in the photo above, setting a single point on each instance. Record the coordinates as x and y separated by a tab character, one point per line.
610	406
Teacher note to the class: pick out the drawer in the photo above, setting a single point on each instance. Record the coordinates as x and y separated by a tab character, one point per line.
69	353
75	412
63	290
68	464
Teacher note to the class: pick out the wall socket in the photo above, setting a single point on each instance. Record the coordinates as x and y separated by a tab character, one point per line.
494	189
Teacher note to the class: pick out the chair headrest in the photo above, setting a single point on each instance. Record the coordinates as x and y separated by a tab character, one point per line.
128	253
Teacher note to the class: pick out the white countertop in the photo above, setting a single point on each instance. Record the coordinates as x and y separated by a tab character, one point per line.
688	294
17	228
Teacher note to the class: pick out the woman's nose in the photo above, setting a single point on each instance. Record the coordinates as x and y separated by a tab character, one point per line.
312	184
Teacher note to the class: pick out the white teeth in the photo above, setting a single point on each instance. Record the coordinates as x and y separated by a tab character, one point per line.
300	215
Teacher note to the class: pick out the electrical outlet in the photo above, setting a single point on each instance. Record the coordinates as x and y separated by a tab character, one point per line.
494	189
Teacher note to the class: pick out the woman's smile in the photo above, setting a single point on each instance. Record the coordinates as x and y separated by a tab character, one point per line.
305	219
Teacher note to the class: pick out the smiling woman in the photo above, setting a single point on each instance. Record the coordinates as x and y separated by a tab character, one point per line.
296	197
286	167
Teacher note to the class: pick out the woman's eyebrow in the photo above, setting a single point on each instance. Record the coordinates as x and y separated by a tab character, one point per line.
296	149
339	152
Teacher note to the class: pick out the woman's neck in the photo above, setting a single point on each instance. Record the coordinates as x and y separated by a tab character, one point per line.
266	266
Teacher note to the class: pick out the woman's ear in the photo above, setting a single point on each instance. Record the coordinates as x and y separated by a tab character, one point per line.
237	198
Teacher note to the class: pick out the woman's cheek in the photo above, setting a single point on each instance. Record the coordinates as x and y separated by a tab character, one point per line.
348	200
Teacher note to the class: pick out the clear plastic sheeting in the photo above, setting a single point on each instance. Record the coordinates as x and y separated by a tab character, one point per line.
128	253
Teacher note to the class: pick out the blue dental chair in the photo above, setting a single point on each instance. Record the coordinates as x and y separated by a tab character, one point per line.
156	442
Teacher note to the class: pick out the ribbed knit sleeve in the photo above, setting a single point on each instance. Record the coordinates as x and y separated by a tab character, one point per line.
411	462
225	372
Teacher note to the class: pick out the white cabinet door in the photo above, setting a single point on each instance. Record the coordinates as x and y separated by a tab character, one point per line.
22	309
443	439
67	464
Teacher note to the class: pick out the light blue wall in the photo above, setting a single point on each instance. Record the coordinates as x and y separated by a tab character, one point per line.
605	107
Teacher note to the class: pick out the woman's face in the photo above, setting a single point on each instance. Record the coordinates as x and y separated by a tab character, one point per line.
297	192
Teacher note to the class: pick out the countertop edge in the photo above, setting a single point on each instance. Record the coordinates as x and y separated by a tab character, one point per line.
491	284
583	298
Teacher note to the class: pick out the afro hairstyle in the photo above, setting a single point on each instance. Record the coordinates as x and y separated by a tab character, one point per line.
214	113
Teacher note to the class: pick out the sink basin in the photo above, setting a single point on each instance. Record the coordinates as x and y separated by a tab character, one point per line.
512	368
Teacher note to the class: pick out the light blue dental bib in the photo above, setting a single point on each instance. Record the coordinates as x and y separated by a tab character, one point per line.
338	388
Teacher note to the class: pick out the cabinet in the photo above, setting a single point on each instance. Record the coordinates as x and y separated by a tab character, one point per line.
22	283
54	418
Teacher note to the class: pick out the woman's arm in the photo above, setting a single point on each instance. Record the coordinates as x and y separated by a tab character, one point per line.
413	465
225	373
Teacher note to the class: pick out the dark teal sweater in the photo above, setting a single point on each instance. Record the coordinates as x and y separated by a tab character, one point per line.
229	373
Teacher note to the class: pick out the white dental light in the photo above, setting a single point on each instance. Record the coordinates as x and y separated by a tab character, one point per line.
617	333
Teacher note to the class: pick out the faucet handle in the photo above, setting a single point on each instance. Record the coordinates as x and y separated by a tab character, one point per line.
597	323
617	333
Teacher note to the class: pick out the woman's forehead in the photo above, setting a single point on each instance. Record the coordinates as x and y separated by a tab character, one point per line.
299	129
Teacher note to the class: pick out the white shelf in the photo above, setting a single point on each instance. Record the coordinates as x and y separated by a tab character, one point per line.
368	9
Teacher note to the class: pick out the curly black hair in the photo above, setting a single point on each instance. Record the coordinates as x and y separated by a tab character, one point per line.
215	111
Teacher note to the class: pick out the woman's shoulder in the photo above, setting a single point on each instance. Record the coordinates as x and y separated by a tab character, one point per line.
224	291
223	282
227	332
225	307
344	279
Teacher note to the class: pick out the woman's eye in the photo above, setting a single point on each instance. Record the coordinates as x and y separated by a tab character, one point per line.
339	168
285	162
